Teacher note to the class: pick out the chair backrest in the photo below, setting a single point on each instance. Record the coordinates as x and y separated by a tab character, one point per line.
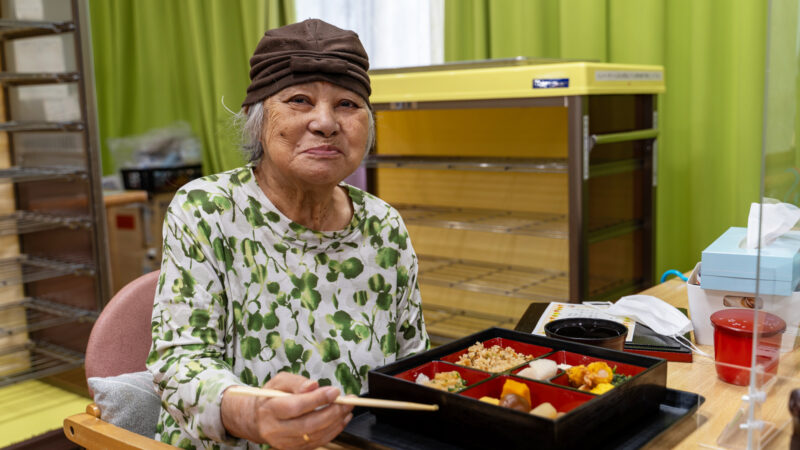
121	337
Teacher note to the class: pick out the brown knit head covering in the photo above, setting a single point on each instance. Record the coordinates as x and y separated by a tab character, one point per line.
311	50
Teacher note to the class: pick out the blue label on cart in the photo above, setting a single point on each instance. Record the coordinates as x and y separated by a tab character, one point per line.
547	83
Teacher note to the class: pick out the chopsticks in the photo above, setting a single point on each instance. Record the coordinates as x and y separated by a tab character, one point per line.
355	401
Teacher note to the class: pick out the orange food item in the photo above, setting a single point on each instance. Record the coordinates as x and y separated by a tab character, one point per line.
575	375
515	387
601	373
589	377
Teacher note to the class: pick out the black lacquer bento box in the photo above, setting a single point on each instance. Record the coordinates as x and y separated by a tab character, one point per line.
465	421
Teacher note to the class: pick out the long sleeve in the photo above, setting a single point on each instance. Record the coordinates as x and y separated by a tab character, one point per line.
412	337
246	293
189	327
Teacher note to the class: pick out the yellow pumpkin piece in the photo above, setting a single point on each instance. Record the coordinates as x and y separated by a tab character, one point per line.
515	387
602	388
492	400
575	375
601	373
546	410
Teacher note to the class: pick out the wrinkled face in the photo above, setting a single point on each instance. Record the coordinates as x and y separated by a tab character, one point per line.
314	133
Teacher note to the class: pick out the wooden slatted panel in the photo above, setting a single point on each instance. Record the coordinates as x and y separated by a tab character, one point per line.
507	191
500	248
453	326
475	302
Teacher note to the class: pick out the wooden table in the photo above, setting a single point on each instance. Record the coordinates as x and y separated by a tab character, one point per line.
701	430
722	400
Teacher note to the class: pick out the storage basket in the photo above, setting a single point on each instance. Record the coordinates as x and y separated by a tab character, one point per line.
160	179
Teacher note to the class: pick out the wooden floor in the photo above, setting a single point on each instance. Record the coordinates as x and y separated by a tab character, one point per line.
32	408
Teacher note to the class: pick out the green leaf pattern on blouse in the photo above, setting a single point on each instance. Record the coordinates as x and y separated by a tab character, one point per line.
245	293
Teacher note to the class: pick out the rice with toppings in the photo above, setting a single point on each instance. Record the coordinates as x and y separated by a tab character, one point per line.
493	359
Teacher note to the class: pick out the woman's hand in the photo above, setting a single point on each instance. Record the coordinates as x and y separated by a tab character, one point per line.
308	419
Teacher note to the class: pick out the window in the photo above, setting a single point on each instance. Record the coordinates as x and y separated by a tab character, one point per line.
394	34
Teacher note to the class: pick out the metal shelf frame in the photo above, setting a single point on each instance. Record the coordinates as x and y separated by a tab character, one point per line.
41	314
29	126
67	267
18	29
25	269
30	79
44	359
22	222
25	174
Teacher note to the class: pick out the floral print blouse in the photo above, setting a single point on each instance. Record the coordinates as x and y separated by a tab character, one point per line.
245	293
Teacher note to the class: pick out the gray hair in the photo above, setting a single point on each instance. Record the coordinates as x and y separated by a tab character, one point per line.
252	122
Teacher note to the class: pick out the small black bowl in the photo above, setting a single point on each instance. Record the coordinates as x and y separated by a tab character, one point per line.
599	332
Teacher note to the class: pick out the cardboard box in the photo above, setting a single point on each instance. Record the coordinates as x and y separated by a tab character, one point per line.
154	215
727	265
134	237
126	244
704	302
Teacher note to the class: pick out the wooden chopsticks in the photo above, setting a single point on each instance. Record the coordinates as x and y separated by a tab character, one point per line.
355	401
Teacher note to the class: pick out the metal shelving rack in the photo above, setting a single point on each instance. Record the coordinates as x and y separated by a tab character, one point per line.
41	314
602	145
56	214
22	222
43	359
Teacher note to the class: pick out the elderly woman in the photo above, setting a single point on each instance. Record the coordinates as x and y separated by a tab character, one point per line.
277	274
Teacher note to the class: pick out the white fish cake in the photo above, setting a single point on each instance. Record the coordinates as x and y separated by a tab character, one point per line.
540	369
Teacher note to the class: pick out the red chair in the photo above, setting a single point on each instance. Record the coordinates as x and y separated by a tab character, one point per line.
119	343
123	324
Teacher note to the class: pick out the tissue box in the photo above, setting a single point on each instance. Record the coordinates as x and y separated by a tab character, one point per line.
727	265
704	302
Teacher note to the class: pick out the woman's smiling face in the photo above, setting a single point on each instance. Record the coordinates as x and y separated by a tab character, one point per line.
315	134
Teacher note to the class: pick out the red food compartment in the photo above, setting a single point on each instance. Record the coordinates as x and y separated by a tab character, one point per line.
575	359
534	351
470	376
563	400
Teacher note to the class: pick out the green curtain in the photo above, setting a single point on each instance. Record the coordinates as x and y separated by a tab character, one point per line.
781	159
709	150
158	62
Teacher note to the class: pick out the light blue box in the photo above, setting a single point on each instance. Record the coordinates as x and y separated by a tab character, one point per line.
728	266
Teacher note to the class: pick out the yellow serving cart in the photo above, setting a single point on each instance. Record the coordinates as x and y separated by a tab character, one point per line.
519	181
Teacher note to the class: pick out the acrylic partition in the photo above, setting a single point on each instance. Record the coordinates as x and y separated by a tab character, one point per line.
748	401
762	417
775	422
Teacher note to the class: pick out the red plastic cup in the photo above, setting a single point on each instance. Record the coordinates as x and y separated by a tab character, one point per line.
733	343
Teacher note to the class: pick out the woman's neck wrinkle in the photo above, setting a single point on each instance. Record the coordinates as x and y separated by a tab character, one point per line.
314	210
